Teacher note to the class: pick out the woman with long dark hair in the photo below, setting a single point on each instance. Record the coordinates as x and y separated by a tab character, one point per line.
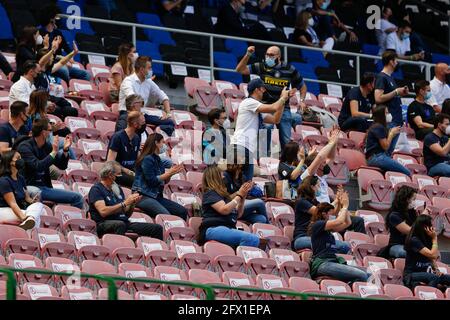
400	218
380	142
324	261
123	67
422	252
150	178
291	163
16	205
222	210
305	208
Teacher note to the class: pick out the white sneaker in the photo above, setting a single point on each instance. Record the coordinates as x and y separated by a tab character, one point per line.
28	223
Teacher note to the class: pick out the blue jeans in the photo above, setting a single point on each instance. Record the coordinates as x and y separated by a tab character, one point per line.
232	237
296	119
355	123
386	163
255	211
62	196
397	251
301	243
160	205
431	279
342	272
441	170
285	127
67	73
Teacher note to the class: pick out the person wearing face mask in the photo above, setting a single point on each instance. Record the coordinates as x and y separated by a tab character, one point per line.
436	147
291	163
324	261
39	155
22	89
252	114
123	67
386	91
305	35
439	87
276	75
399	42
420	114
15	127
305	208
357	107
49	18
215	138
16	204
141	83
111	210
380	142
124	147
151	177
399	220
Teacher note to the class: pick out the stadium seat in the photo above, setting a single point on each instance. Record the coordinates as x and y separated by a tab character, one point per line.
256	261
39	291
103	294
88	246
428	293
148	295
57	264
172	274
98	268
334	287
273	235
122	249
14	239
53	244
396	291
280	214
190	255
289	264
238	279
134	270
206	277
374	190
157	252
223	257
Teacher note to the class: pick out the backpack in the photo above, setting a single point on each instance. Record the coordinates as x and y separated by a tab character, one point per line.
327	119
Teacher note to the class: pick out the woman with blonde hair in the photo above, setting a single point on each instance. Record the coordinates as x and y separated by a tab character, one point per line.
123	67
221	212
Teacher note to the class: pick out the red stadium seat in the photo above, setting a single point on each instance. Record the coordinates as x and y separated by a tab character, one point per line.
156	252
289	263
223	257
88	246
53	244
70	293
256	261
190	255
39	291
14	239
397	291
122	249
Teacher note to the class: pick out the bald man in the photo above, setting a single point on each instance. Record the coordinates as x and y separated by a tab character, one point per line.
439	86
276	75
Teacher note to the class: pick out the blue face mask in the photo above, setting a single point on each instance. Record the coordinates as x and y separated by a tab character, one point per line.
149	75
428	95
270	62
325	5
163	149
318	193
50	138
405	36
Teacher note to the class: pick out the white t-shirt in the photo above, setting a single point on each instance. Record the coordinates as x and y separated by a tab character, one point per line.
247	125
384	25
440	91
393	42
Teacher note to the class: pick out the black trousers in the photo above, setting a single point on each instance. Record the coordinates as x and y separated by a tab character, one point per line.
121	227
63	108
4	65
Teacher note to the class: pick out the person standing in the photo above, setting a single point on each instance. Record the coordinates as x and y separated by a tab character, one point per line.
276	75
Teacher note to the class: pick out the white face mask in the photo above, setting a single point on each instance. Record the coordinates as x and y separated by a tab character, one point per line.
388	118
226	124
135	57
311	22
416	204
39	40
447	131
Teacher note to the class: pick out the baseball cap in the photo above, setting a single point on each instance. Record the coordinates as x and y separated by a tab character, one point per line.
255	84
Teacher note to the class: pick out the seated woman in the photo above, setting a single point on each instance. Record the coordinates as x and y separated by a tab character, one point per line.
324	261
305	35
150	178
221	212
123	67
291	163
399	220
306	207
254	209
16	205
380	143
111	211
420	114
422	252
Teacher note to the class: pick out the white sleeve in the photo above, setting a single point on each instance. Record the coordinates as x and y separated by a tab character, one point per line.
390	41
305	174
126	90
156	92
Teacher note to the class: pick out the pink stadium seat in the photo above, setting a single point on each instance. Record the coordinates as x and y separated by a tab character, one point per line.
306	131
86	176
305	285
190	255
175	228
239	279
92	106
88	246
74	219
357	137
26	261
207	98
156	252
223	257
423	180
381	240
172	274
148	295
232	107
57	264
314	140
272	282
427	293
374	190
103	87
280	214
221	85
5	85
397	291
98	268
256	261
289	264
399	264
432	191
183	297
334	287
354	158
444	182
206	277
77	293
14	239
140	217
326	99
53	244
134	270
180	186
191	83
377	262
122	249
339	172
121	295
392	276
374	228
366	290
38	291
370	216
104	115
194	223
273	235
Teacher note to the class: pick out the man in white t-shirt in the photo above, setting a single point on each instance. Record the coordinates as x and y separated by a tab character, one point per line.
252	114
386	27
439	87
400	43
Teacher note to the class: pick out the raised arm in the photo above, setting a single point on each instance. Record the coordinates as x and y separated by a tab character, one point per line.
242	66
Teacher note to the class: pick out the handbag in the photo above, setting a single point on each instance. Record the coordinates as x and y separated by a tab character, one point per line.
403	143
310	116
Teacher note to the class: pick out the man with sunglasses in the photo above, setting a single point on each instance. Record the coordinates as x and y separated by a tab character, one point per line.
276	75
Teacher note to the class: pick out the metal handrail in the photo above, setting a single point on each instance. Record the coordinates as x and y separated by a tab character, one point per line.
112	287
213	36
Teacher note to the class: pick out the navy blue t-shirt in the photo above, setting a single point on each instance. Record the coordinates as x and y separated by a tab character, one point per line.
302	218
9	134
99	192
394	219
7	185
415	261
387	84
430	158
322	241
373	146
209	199
127	150
364	104
423	110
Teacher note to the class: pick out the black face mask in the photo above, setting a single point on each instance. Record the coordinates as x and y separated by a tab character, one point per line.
20	164
141	130
326	170
447	79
